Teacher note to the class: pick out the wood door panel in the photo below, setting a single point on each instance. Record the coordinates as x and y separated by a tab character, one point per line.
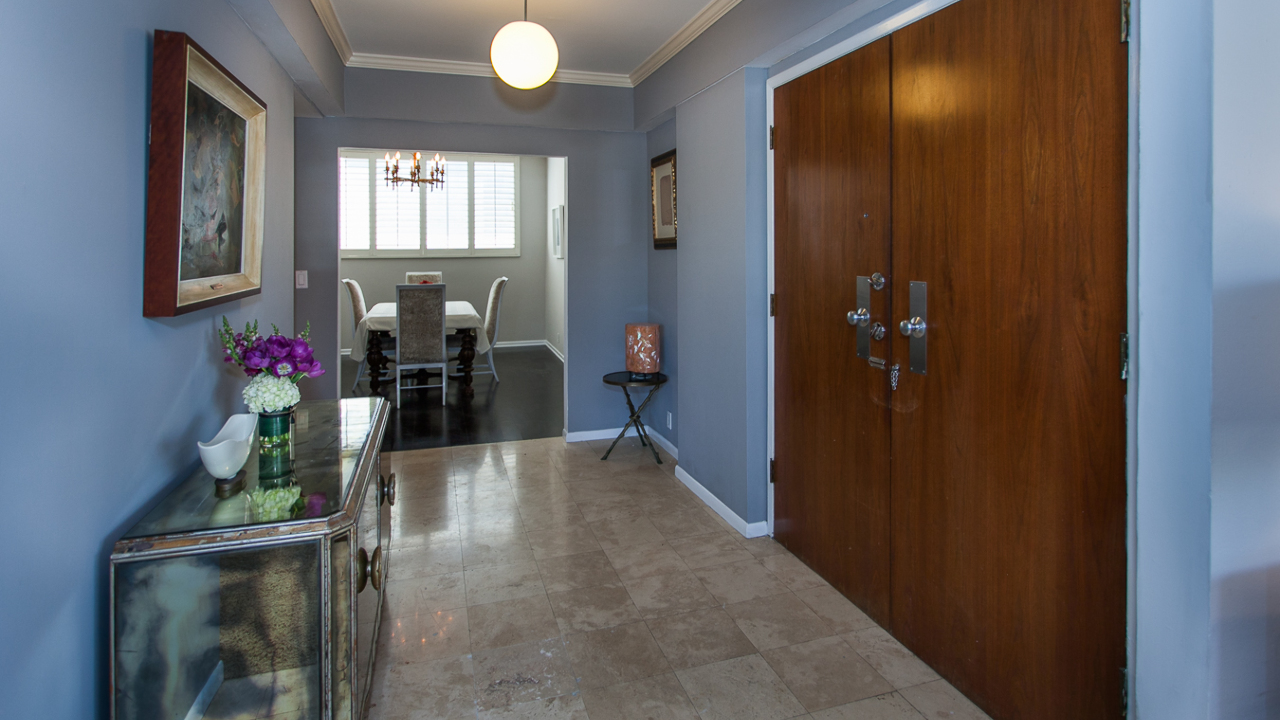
832	222
1009	200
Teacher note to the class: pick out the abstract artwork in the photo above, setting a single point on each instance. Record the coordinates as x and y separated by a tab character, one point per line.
206	182
212	188
662	178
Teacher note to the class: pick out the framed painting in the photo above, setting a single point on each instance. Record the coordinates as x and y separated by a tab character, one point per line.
206	182
662	179
557	232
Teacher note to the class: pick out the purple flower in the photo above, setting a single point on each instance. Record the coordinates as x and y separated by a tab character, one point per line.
315	371
278	346
256	359
314	504
282	368
300	349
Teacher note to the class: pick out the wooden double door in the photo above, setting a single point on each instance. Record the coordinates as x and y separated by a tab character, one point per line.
977	510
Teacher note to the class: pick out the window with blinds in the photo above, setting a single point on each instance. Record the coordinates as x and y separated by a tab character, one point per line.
475	211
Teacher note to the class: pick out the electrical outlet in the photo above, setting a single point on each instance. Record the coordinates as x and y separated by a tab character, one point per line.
300	279
668	419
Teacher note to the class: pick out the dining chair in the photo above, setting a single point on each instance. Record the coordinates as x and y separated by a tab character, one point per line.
417	278
492	315
420	335
358	310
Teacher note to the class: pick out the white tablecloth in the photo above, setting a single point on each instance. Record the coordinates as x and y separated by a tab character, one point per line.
458	315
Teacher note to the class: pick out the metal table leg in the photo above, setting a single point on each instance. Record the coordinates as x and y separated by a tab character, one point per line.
645	440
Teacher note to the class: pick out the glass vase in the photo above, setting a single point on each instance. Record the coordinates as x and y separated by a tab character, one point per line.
273	428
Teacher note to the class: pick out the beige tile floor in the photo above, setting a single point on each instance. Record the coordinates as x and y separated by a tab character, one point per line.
530	580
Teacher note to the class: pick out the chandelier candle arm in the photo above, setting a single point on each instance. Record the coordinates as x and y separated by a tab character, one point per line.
432	178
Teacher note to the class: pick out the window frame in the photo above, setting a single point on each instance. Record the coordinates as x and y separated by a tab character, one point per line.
377	176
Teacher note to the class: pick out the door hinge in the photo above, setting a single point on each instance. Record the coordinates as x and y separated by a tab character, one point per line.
771	137
1124	356
773	304
1124	692
773	470
1126	9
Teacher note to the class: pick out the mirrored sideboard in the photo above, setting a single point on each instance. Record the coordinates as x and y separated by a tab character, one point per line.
265	603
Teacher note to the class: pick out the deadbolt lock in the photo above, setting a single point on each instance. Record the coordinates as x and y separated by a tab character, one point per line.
877	331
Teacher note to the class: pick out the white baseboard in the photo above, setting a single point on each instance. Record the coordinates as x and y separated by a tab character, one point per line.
589	435
530	343
748	530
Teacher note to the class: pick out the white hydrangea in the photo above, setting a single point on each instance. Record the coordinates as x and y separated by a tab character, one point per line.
268	393
273	504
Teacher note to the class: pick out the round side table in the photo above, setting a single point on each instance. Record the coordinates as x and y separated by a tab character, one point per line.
625	380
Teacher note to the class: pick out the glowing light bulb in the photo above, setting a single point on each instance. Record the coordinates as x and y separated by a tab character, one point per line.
524	55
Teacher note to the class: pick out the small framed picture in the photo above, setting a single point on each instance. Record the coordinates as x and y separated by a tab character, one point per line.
557	232
662	177
206	182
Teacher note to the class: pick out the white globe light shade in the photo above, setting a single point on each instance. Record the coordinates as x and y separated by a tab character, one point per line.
524	55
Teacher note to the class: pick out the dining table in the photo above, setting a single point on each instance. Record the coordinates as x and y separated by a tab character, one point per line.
460	317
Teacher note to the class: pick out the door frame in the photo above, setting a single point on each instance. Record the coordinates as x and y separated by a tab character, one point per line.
865	37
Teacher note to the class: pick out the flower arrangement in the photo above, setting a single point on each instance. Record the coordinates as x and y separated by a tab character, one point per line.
275	364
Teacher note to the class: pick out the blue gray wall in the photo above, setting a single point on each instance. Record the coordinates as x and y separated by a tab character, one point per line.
720	283
607	211
1245	654
103	407
664	301
1173	355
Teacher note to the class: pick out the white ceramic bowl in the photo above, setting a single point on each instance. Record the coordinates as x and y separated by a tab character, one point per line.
224	455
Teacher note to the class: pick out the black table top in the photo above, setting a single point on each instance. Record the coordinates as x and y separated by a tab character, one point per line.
623	379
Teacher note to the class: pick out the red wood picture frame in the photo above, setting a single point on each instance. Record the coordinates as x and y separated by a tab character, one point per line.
217	269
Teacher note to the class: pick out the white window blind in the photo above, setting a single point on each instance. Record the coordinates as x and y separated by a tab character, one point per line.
476	211
399	216
353	203
448	210
495	205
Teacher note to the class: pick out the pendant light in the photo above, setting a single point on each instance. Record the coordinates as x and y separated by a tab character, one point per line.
524	54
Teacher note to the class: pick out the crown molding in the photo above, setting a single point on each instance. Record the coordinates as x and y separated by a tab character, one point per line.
458	67
705	18
329	18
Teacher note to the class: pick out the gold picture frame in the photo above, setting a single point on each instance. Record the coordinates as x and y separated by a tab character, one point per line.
662	187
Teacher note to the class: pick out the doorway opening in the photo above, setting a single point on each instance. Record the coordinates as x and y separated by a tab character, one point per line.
494	235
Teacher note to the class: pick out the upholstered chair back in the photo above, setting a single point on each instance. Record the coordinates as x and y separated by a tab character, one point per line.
420	324
417	278
494	309
358	308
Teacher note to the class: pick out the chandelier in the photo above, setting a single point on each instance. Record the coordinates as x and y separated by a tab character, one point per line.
431	178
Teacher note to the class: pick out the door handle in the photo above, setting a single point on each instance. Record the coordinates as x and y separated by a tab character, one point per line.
859	317
917	327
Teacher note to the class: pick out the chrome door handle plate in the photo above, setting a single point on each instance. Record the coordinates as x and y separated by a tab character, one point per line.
861	318
917	328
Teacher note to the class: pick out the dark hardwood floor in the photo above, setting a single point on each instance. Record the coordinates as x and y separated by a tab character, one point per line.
527	404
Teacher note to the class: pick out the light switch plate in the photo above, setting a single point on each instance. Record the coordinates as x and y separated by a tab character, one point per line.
668	419
300	279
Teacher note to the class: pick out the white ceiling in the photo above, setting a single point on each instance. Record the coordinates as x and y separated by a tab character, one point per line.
607	42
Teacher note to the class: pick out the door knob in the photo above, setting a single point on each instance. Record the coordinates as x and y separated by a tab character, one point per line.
912	328
369	569
362	570
859	317
387	490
